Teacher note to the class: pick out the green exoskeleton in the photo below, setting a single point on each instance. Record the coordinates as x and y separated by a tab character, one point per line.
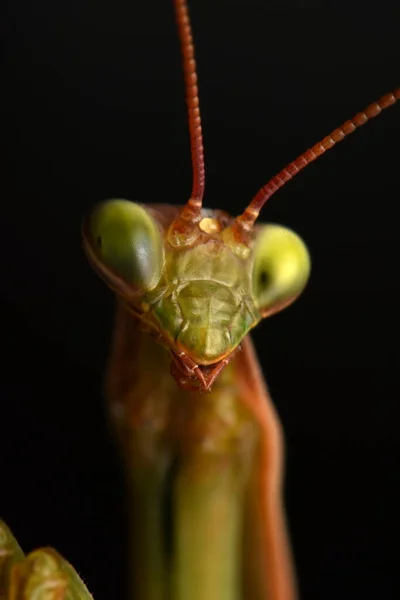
42	575
200	437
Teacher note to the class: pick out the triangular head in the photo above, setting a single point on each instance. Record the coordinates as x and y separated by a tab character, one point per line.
199	297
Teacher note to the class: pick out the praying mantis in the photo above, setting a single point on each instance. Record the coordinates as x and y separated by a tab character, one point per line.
206	440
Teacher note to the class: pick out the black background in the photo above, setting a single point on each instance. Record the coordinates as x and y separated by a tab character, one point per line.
95	109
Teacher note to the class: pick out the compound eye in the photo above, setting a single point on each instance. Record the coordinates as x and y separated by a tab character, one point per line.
280	270
126	243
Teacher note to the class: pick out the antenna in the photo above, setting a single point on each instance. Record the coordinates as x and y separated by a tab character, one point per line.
246	220
191	212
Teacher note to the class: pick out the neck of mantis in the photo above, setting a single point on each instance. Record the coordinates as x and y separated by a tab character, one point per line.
187	458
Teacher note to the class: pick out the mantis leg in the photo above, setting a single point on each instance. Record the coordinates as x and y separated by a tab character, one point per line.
268	568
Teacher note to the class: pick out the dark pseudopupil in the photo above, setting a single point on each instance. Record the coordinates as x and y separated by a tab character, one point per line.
264	278
99	241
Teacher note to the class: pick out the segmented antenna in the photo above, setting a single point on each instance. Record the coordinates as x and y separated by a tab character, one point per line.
192	210
245	221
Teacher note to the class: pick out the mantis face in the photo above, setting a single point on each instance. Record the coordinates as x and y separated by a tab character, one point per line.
199	298
198	279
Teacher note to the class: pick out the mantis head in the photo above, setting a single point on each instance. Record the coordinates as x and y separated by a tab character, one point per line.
200	280
199	298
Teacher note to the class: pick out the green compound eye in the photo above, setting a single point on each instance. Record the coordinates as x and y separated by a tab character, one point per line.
281	268
126	241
